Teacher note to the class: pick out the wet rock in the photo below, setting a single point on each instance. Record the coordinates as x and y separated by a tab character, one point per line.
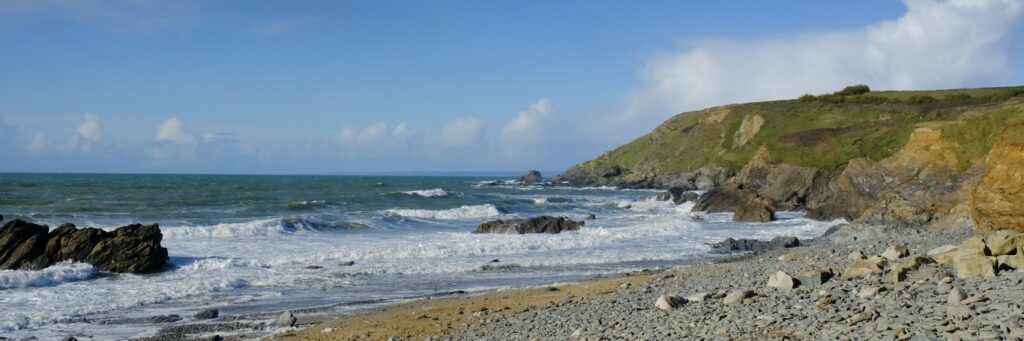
781	280
207	314
755	245
754	210
541	224
165	319
286	319
669	302
531	177
132	249
677	195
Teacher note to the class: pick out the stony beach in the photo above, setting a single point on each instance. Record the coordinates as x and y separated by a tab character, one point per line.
730	299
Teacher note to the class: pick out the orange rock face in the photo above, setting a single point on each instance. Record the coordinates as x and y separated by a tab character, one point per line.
997	202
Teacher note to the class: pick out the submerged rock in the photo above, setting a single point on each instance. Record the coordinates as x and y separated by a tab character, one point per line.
541	224
755	245
531	177
132	249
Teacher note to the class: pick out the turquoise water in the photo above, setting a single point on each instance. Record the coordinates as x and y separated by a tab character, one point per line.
253	246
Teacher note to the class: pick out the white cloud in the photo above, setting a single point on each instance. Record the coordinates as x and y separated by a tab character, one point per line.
527	130
40	144
462	132
86	135
935	44
173	132
377	133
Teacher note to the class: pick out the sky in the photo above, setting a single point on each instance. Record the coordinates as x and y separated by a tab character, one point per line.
314	87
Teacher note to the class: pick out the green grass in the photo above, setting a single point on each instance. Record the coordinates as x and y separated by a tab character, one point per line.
826	131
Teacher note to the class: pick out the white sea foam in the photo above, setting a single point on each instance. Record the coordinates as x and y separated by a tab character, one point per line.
54	275
462	212
264	227
540	201
428	193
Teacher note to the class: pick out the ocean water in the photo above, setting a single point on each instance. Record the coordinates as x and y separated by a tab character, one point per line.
244	244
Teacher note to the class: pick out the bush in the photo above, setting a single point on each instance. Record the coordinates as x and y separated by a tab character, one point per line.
920	99
853	90
807	98
959	97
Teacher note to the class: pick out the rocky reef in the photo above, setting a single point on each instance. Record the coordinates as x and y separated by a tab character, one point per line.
541	224
128	249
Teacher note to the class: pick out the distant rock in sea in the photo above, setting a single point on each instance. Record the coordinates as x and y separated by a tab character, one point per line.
531	177
541	224
131	249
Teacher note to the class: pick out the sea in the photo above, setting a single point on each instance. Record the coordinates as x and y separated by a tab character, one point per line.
255	246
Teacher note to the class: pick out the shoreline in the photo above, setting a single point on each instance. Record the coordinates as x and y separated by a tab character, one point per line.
623	306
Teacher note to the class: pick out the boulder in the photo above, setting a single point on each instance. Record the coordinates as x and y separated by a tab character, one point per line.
698	297
131	249
754	210
976	245
781	280
1014	261
899	271
956	296
737	296
731	245
997	201
869	292
970	264
541	224
207	314
943	254
531	177
856	255
813	278
286	319
678	195
1004	242
669	302
896	252
862	269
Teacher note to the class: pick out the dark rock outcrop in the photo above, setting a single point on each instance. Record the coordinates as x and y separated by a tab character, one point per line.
132	249
678	195
541	224
531	177
731	245
622	177
754	210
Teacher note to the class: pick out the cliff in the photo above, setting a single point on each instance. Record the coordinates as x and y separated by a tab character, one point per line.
944	157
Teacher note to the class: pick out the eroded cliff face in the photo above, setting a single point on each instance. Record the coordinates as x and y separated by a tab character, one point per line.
997	202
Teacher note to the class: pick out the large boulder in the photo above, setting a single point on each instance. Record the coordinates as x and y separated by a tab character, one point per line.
754	210
677	195
541	224
132	249
997	202
531	177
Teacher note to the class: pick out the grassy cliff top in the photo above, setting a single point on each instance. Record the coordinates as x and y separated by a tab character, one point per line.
824	131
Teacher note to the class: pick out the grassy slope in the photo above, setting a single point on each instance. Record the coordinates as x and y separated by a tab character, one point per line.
827	131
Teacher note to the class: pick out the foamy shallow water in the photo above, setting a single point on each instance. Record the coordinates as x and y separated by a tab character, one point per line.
261	265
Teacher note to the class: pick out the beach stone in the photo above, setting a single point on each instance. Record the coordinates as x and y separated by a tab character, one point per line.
286	319
207	314
896	252
970	264
755	245
541	224
869	292
856	255
781	280
737	296
943	254
812	278
1004	242
956	296
669	302
861	269
792	256
975	244
899	271
1014	261
698	297
879	260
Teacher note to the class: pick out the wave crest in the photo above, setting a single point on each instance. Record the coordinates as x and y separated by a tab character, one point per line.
55	275
462	212
428	193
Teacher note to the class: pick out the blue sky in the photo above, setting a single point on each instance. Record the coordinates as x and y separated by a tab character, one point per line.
331	87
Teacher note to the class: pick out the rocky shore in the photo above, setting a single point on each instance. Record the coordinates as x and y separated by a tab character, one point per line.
812	291
130	249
